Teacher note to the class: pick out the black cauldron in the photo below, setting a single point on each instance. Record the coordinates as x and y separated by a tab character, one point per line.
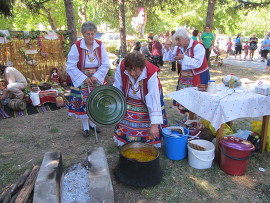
137	173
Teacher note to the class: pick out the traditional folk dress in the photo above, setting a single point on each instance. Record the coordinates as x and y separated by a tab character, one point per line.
55	77
81	64
192	69
145	105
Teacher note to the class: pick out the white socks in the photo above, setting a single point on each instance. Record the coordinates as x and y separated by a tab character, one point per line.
85	123
92	124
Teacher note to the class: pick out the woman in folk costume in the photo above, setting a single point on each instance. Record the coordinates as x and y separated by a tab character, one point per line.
191	61
87	66
138	80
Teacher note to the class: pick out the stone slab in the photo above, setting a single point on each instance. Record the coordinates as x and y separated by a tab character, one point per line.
48	182
101	189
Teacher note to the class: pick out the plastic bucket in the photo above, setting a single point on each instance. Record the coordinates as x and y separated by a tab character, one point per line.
201	159
176	147
235	153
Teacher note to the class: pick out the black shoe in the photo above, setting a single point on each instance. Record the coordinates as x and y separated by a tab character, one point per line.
93	129
86	133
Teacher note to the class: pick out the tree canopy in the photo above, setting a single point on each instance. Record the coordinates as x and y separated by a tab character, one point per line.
230	16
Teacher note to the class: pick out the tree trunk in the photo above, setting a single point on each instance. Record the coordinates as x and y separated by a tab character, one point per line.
71	21
210	13
49	17
122	25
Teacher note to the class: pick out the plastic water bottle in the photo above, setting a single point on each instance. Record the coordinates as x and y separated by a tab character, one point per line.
231	82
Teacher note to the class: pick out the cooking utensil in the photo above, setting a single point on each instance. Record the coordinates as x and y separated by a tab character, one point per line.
106	106
138	173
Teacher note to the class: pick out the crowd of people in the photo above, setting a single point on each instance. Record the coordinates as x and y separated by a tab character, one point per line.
154	49
136	76
248	46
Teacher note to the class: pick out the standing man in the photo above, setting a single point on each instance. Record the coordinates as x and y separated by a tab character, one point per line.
208	41
265	48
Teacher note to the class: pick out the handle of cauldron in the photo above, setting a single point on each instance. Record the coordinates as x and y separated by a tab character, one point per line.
95	128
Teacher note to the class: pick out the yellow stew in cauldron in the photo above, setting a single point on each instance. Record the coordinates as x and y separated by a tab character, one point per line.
141	154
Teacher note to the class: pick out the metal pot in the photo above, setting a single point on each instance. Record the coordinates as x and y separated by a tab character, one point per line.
135	173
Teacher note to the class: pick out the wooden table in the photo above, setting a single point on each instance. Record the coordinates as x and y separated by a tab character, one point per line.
222	107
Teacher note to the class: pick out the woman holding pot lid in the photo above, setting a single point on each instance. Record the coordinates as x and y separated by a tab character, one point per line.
138	80
87	66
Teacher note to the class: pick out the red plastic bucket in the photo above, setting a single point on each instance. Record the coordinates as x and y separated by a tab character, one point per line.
235	153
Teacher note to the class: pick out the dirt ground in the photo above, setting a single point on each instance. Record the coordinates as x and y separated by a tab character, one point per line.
25	140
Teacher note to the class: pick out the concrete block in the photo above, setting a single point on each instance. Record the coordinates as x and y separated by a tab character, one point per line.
48	182
101	189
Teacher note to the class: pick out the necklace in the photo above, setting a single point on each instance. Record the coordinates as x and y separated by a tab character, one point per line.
135	90
91	56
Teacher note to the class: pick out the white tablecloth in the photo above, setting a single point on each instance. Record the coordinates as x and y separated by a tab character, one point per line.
221	107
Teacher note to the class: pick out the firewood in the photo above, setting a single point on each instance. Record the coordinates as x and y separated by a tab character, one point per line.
14	196
30	199
20	181
7	197
28	186
5	191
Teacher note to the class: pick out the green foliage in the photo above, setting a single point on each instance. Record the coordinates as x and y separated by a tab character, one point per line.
112	49
25	35
2	34
162	16
8	37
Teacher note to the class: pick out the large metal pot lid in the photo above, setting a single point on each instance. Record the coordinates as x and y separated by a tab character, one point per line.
106	106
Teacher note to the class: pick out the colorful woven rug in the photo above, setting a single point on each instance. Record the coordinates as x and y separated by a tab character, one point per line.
43	108
7	112
3	114
20	113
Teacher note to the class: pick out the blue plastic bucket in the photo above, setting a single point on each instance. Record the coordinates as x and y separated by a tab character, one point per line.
176	146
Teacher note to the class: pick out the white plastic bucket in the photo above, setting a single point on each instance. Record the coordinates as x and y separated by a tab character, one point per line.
201	159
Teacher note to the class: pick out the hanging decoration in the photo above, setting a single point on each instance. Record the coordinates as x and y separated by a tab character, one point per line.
51	35
43	51
28	59
138	22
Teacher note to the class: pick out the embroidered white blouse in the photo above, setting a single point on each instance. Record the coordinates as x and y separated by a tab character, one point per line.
152	98
187	62
78	76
